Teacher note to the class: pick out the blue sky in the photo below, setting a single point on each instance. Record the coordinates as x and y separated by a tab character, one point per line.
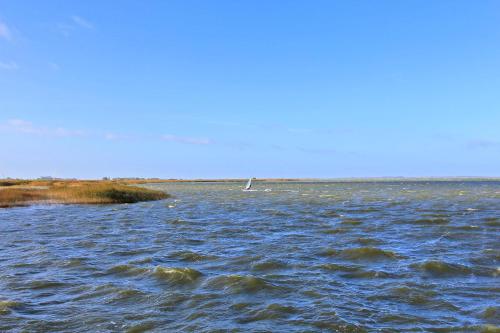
212	89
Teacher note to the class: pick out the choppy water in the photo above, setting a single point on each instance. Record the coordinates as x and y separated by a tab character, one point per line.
303	257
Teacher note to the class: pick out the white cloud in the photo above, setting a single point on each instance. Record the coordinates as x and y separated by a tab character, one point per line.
186	140
26	127
54	66
5	31
81	22
111	136
19	125
9	66
77	22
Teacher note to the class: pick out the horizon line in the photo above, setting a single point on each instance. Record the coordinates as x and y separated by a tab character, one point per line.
367	178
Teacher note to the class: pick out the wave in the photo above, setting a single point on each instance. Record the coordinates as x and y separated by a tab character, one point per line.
133	252
351	222
357	272
368	241
240	283
363	274
486	257
492	221
240	306
339	268
177	221
127	270
491	312
407	319
334	231
97	291
127	293
328	252
45	284
432	221
141	327
177	275
7	305
194	241
276	212
329	213
73	262
191	256
245	259
145	260
410	294
488	328
442	269
335	324
466	228
367	253
127	296
272	311
269	265
360	210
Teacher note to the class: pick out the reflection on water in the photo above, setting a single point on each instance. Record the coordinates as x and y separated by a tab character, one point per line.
349	257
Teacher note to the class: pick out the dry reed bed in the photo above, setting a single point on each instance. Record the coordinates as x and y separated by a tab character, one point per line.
23	193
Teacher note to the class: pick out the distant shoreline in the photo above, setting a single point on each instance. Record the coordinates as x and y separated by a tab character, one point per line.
305	180
326	180
133	181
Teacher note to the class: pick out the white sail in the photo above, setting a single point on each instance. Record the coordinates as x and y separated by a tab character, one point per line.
249	184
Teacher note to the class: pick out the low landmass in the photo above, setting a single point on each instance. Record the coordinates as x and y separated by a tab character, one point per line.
328	180
18	192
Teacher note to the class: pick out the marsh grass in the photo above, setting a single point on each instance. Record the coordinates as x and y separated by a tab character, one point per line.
12	182
75	192
11	197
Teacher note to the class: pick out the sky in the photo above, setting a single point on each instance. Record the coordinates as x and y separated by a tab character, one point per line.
223	89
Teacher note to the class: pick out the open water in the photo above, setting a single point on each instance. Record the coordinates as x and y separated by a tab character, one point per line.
287	257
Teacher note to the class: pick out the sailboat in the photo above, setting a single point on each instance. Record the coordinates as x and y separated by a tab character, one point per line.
248	186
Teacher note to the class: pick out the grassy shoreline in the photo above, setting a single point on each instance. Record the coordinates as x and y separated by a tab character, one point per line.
15	193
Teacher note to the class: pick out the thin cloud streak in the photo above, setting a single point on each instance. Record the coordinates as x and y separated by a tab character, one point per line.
186	140
26	127
5	31
21	126
113	136
81	22
54	66
77	22
483	144
8	66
